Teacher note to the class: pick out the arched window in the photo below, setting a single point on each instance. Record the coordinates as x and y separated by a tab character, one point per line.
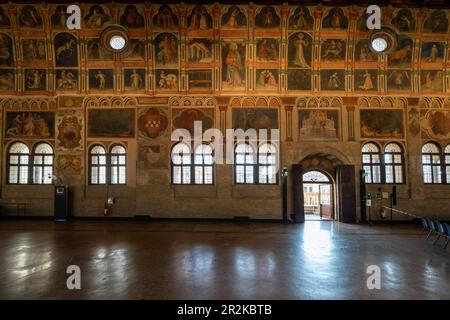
371	162
181	163
244	164
447	163
267	164
18	163
393	163
118	156
203	164
43	164
97	163
431	163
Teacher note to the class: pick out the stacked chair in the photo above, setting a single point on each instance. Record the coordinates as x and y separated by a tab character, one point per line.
437	228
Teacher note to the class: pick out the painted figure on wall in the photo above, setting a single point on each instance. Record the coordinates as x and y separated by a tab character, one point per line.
131	18
234	18
69	164
199	19
67	79
363	53
300	50
319	124
335	19
200	50
431	80
301	19
34	50
6	51
95	51
437	22
96	17
167	79
404	21
166	45
435	124
69	132
66	52
59	17
134	79
185	119
267	49
267	18
432	52
153	123
299	79
366	80
414	121
30	18
35	79
101	79
402	55
234	75
136	50
4	19
255	118
7	79
333	50
267	79
399	80
111	122
165	19
30	124
332	79
381	123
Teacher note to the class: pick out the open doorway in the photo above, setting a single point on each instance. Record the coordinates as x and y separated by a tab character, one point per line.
318	196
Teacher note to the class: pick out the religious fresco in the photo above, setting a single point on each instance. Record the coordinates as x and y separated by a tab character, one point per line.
300	50
66	52
437	22
6	51
153	124
233	65
34	50
132	18
255	118
69	164
7	79
267	49
199	50
101	79
332	79
167	80
363	52
95	51
366	80
432	52
111	122
431	80
199	18
66	79
136	50
399	79
318	124
165	19
96	17
335	19
382	123
30	17
414	121
401	57
333	50
267	79
69	131
153	156
267	18
185	118
59	18
5	22
234	18
134	79
301	19
200	80
299	79
35	79
166	50
35	124
404	21
435	124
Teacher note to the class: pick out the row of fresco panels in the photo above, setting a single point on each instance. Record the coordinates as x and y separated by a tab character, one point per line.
231	17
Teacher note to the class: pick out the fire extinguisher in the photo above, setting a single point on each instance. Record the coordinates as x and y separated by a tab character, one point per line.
106	209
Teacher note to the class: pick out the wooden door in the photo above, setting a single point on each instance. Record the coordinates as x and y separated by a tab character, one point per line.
326	201
298	201
346	193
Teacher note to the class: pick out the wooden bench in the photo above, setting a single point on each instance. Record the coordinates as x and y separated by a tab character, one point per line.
21	207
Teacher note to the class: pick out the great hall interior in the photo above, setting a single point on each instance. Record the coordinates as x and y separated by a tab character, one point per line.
88	115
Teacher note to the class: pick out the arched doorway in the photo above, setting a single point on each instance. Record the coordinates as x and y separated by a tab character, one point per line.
318	195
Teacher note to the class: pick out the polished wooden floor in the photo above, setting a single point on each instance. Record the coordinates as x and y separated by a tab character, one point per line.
181	260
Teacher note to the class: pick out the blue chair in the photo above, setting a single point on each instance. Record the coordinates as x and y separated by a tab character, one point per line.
431	227
443	231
